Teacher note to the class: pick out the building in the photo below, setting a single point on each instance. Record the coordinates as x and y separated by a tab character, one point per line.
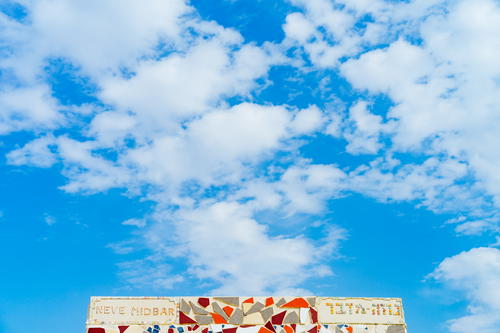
245	315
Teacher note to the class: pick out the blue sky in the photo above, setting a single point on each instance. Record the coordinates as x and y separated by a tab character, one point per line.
326	147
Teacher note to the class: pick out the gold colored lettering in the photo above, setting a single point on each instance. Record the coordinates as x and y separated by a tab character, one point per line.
171	311
147	311
122	310
134	311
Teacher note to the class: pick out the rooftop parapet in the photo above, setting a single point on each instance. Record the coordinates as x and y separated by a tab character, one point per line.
309	314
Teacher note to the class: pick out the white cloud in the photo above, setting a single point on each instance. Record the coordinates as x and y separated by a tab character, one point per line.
165	122
36	153
432	183
445	89
476	274
298	27
219	147
364	130
224	243
306	189
94	34
307	121
28	108
140	223
98	38
180	86
88	171
167	128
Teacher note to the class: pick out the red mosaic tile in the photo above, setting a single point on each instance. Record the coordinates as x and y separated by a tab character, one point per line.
185	319
204	301
96	330
314	330
278	319
122	328
314	315
249	300
269	301
270	327
229	330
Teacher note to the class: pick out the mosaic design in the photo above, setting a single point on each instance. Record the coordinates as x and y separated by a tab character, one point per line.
244	315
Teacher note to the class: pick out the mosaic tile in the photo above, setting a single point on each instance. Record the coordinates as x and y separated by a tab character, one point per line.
291	318
198	310
270	327
218	319
185	319
234	301
298	302
248	329
217	309
281	302
264	330
314	330
314	315
204	301
344	329
256	307
278	318
237	317
229	330
228	310
203	320
253	319
184	307
395	329
246	307
305	317
266	314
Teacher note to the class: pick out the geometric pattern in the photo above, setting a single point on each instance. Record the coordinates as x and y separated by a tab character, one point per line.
247	315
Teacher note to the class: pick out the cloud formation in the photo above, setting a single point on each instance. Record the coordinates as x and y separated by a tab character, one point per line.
476	274
174	115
